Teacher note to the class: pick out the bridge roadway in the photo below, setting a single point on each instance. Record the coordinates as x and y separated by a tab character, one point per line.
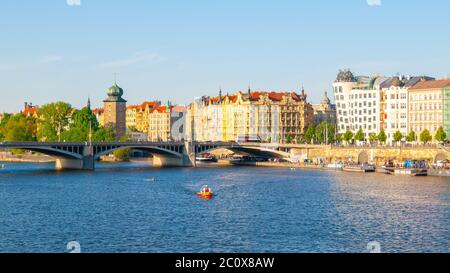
82	155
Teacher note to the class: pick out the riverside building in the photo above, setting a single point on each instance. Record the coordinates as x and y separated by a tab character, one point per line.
250	116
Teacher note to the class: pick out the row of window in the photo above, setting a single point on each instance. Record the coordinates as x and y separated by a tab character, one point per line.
359	119
397	106
363	127
426	117
425	106
436	96
356	112
396	126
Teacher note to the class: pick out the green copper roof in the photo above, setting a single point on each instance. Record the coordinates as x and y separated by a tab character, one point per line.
115	93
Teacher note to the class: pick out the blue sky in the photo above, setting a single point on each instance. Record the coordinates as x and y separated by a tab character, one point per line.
179	49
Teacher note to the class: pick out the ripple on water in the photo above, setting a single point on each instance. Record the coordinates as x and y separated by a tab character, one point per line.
133	208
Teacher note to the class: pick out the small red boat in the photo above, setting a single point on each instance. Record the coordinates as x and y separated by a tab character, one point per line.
205	193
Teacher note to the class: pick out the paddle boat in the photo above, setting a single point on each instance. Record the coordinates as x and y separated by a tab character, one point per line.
205	193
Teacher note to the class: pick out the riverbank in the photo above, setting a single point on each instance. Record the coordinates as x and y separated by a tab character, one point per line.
287	165
25	158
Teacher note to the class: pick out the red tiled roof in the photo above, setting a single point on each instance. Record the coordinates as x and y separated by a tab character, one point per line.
431	84
30	111
98	110
160	109
133	106
151	104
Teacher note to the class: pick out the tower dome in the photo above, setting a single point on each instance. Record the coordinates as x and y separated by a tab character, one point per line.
325	99
115	91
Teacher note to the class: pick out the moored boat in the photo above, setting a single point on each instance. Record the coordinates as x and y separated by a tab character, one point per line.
363	168
206	158
336	166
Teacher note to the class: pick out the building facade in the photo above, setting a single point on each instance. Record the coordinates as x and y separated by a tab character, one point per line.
30	110
138	115
249	116
99	115
325	111
159	124
446	105
167	123
394	105
426	106
115	111
358	103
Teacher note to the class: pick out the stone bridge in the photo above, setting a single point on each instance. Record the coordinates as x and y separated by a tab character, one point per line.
82	155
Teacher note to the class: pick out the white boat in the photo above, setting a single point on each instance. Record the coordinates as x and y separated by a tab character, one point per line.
411	172
336	166
206	158
2	166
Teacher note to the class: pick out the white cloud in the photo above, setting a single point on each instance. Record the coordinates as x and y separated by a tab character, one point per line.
135	59
373	3
14	65
73	2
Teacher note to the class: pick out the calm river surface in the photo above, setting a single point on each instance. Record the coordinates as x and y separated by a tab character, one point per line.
129	207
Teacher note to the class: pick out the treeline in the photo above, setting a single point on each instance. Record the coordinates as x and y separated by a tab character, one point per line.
57	121
425	136
325	133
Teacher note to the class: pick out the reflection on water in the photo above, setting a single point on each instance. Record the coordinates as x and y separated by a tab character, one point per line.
129	207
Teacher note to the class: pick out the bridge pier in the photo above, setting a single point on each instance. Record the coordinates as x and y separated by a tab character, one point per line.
172	161
87	161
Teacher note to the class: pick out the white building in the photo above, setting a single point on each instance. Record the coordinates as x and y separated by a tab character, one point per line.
357	102
395	101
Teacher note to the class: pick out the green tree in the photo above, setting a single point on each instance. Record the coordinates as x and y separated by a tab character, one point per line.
348	136
324	132
359	136
398	136
53	120
83	121
123	154
425	136
373	137
133	129
440	135
310	134
104	134
382	137
411	136
5	120
19	128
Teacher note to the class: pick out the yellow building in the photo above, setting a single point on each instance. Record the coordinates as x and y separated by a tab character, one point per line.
426	106
250	116
167	123
138	115
99	114
131	114
159	124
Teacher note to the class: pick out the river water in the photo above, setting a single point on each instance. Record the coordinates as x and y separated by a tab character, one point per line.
129	207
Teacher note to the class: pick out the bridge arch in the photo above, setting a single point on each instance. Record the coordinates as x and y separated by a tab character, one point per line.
252	150
101	151
440	157
363	157
56	152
